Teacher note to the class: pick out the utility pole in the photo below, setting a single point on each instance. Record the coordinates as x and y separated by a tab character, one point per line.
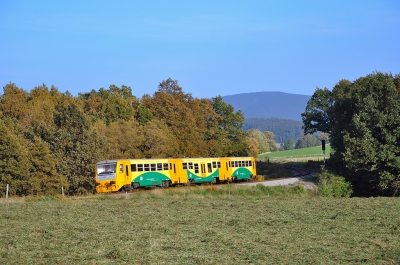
323	150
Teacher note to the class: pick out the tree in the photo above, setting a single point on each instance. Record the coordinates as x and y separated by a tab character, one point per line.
288	145
271	142
307	141
14	162
362	119
261	139
159	142
77	147
252	146
119	104
43	177
125	139
230	134
317	114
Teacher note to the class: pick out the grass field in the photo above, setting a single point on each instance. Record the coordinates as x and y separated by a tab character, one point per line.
315	152
201	225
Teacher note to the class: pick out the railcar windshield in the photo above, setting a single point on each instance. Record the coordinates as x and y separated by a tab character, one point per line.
106	168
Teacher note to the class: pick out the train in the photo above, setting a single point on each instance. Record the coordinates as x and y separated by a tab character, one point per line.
129	174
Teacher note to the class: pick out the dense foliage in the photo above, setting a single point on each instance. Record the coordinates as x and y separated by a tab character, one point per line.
50	140
261	142
311	140
362	119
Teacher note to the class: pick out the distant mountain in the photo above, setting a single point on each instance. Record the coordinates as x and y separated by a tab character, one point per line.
269	104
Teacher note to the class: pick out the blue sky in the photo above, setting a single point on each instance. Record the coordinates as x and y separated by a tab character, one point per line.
212	48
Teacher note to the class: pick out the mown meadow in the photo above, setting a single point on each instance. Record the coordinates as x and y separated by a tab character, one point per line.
201	225
312	152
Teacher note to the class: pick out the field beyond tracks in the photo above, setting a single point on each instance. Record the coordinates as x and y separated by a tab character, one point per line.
201	226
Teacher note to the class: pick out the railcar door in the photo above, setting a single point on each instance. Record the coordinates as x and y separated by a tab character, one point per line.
203	172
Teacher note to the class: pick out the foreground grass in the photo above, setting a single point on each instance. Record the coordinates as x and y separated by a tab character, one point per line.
208	225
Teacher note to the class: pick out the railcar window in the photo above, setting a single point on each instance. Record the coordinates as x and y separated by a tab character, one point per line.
159	166
121	168
214	164
170	166
165	166
133	167
219	164
236	164
209	167
153	167
196	168
146	167
140	167
191	165
184	165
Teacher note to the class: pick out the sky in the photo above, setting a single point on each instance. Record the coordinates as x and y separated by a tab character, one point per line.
212	47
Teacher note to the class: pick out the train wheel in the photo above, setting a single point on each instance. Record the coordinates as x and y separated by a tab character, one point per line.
165	184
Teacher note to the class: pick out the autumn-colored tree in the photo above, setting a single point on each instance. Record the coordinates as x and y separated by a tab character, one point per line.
174	106
252	146
124	139
262	141
14	103
158	142
119	104
271	142
14	162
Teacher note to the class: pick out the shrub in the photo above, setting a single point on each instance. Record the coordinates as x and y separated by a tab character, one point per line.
331	185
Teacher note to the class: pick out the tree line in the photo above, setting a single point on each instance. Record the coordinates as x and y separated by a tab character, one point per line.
50	139
283	129
362	119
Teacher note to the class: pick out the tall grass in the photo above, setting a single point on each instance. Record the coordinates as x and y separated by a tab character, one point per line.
202	225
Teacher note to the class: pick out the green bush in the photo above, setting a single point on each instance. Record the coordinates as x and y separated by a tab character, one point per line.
331	185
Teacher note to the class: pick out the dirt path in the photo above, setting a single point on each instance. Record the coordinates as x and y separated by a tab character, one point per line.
286	182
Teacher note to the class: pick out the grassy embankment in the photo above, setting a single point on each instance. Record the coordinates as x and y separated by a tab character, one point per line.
303	154
201	225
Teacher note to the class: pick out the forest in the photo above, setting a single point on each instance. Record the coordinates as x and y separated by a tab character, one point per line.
50	140
362	119
283	129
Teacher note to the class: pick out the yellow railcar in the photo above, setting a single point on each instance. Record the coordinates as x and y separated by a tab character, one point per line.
199	170
126	174
238	168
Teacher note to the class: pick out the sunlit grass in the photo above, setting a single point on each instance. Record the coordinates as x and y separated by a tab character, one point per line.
202	225
315	152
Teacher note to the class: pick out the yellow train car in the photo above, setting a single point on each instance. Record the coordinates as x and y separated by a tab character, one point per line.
238	168
126	174
199	170
112	175
155	172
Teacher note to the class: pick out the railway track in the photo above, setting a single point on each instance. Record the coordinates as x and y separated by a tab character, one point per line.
298	173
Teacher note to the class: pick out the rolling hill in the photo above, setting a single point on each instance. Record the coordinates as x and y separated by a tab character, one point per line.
277	112
269	104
